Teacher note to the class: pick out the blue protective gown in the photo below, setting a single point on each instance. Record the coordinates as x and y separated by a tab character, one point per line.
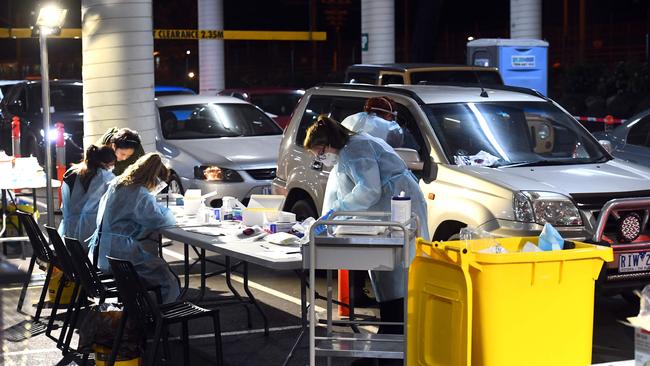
367	175
79	206
127	215
376	126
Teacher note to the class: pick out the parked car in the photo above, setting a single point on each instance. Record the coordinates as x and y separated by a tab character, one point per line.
217	143
24	101
384	74
506	160
5	85
631	140
162	90
279	103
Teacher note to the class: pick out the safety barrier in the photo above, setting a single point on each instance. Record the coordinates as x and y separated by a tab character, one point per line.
60	154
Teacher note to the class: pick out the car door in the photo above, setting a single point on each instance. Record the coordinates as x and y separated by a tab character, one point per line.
637	142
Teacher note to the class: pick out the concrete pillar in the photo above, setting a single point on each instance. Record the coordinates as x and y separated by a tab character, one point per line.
526	19
378	23
118	69
211	55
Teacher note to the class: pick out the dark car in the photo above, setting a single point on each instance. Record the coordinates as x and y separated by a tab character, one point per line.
384	74
277	102
631	140
24	101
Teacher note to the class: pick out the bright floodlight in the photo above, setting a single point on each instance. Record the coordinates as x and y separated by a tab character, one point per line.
51	16
191	75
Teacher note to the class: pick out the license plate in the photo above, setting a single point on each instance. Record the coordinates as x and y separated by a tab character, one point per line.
262	190
634	262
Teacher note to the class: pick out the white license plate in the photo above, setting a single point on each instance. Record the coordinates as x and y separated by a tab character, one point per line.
262	190
634	262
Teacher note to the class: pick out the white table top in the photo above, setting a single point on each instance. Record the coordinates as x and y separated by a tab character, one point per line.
259	252
6	183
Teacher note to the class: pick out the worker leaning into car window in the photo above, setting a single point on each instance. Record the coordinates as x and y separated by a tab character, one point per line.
378	120
128	213
365	175
126	144
83	187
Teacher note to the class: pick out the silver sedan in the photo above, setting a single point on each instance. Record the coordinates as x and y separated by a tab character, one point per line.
217	143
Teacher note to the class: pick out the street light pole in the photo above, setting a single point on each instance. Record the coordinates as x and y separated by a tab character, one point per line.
45	97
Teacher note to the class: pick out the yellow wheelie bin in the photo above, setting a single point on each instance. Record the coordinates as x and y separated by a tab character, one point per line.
516	308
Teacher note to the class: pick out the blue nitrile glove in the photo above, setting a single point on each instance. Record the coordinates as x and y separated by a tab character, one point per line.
550	239
321	228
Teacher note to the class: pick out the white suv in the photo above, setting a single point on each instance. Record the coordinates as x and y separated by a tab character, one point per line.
507	160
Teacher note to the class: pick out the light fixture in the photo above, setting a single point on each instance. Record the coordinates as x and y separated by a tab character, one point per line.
50	19
188	52
470	38
629	227
191	75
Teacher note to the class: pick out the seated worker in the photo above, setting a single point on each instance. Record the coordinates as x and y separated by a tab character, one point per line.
128	213
126	144
365	175
84	184
378	120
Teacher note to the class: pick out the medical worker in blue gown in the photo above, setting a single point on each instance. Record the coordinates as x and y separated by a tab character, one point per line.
365	174
84	184
378	120
128	213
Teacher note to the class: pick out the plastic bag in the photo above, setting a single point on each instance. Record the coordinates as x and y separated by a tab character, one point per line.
479	240
550	239
99	328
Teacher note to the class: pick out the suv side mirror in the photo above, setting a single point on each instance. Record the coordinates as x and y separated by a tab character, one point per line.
411	158
606	144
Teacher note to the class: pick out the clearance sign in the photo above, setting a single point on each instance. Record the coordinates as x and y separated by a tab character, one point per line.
187	34
180	34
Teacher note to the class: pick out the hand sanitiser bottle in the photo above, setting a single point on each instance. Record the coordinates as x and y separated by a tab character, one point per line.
400	208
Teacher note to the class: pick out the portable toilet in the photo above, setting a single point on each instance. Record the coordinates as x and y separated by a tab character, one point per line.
521	62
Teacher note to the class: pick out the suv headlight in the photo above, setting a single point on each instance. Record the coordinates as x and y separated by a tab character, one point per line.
216	174
545	207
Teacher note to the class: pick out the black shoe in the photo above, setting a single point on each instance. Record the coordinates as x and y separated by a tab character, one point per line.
364	301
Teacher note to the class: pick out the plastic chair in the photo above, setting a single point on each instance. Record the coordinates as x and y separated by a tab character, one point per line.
151	316
41	252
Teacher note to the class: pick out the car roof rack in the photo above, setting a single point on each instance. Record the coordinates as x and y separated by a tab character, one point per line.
370	87
416	97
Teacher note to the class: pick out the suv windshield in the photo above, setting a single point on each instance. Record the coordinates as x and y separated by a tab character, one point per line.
511	134
63	97
457	76
202	121
278	104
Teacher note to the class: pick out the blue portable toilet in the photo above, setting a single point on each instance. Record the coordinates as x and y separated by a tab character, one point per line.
521	62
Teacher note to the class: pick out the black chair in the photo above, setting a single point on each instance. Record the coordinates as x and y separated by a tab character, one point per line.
41	253
67	265
151	316
93	285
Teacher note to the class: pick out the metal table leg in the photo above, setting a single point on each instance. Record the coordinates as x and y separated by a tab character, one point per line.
254	301
303	315
234	291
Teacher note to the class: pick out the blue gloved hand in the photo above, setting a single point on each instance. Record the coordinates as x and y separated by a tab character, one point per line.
321	228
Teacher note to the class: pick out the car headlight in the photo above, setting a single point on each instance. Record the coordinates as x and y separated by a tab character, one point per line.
546	207
216	174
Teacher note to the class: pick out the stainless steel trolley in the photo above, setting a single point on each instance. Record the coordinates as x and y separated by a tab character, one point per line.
356	252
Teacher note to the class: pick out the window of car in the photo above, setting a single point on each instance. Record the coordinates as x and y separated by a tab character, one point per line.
391	79
280	104
362	77
15	99
511	133
456	76
200	121
640	133
62	97
336	107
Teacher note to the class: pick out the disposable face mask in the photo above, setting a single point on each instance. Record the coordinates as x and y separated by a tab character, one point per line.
110	168
159	187
328	159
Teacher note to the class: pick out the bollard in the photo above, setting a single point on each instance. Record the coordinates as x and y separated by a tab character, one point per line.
60	155
15	136
344	292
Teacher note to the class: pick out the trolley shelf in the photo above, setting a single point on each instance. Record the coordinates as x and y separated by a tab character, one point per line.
361	345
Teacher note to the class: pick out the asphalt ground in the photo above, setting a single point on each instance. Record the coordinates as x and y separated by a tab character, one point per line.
278	292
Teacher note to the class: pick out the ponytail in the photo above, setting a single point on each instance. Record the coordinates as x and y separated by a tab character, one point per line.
94	158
